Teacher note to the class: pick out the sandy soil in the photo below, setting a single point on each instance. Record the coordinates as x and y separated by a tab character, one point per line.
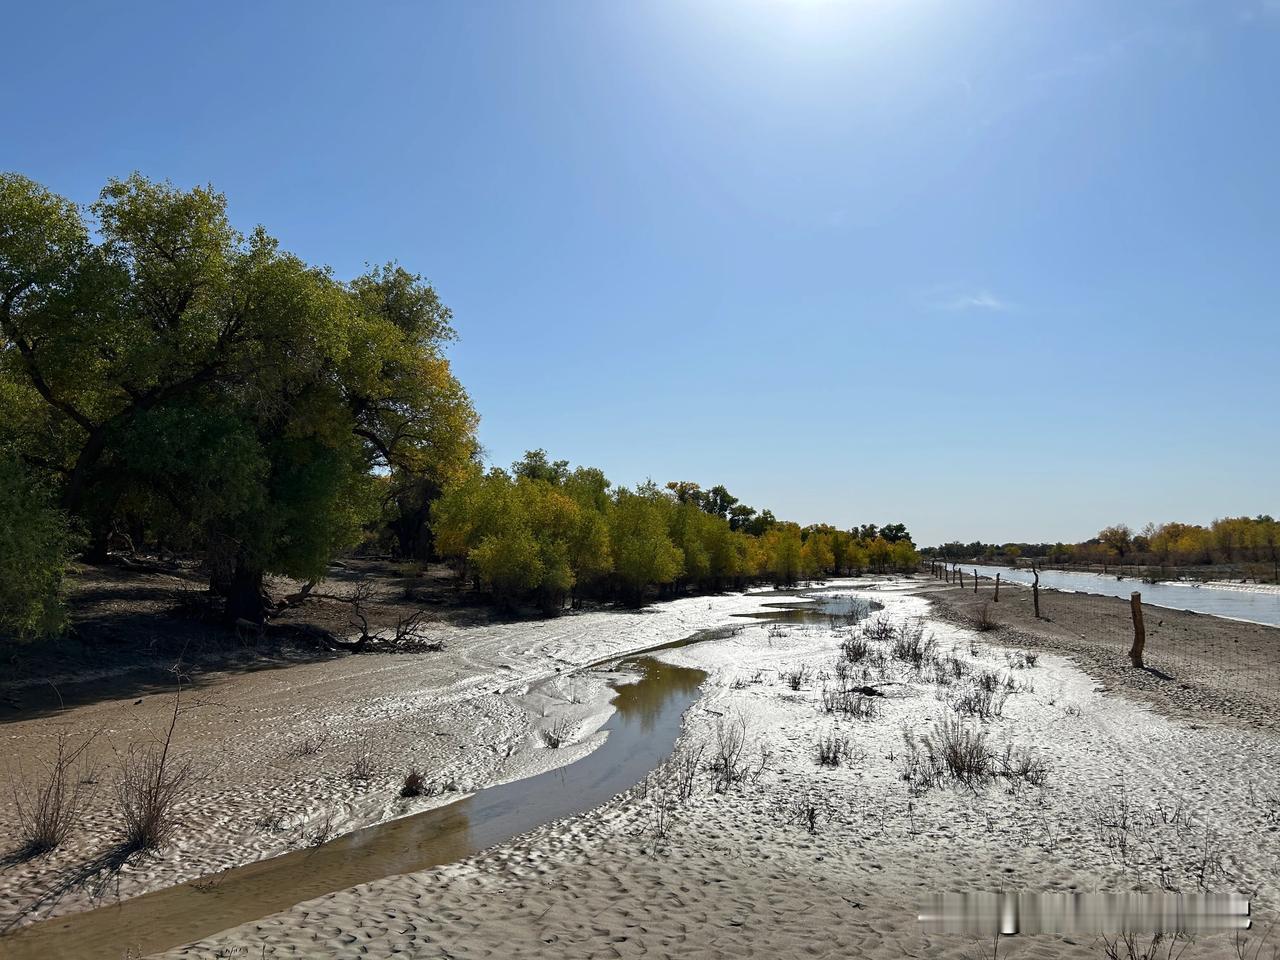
1202	668
1135	799
277	750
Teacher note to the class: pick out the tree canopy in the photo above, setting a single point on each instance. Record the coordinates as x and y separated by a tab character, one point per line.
546	532
207	386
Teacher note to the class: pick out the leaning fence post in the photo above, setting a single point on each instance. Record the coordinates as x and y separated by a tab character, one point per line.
975	579
1139	631
997	588
1035	591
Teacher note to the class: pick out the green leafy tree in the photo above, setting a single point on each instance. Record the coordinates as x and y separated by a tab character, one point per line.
147	316
740	516
895	532
785	552
536	466
36	542
1118	537
643	552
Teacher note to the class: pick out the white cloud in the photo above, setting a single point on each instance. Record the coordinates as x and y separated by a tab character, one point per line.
982	300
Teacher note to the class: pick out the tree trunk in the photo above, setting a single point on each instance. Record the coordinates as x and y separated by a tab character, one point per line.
95	550
243	593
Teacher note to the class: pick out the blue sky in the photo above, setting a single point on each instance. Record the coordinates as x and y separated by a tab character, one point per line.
996	270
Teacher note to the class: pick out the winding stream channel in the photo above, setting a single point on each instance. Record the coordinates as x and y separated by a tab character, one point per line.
642	732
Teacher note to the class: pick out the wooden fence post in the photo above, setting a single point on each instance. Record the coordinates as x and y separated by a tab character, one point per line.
975	579
961	573
1035	591
997	588
1139	631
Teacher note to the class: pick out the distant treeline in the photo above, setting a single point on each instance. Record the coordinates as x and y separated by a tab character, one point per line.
1230	540
545	533
170	384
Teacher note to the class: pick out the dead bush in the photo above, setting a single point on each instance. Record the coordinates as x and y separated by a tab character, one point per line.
832	750
910	645
980	701
728	761
414	784
796	677
855	648
309	746
148	789
150	784
684	766
851	703
48	805
1023	766
558	734
806	810
365	759
983	621
961	751
879	630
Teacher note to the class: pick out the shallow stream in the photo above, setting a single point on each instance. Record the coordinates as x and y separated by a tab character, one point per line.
642	732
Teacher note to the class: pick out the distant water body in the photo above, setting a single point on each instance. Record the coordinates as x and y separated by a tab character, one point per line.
1259	607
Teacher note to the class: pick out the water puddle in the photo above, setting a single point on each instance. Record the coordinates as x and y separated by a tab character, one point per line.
642	732
828	611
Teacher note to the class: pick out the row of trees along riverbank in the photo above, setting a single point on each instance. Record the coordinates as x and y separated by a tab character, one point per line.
1230	546
169	382
545	533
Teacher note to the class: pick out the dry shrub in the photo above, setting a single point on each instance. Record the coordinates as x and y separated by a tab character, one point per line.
807	810
1023	766
150	784
832	750
852	703
148	789
879	630
729	763
365	759
414	784
910	645
796	677
981	702
960	751
558	734
310	746
983	621
48	806
855	648
962	754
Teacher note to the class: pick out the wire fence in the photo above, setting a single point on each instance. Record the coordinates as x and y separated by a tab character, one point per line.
1193	659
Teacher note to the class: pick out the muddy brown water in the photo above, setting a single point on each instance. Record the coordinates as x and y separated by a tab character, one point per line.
642	732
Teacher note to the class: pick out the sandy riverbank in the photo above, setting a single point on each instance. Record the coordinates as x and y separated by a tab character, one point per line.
1204	669
1134	799
275	751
